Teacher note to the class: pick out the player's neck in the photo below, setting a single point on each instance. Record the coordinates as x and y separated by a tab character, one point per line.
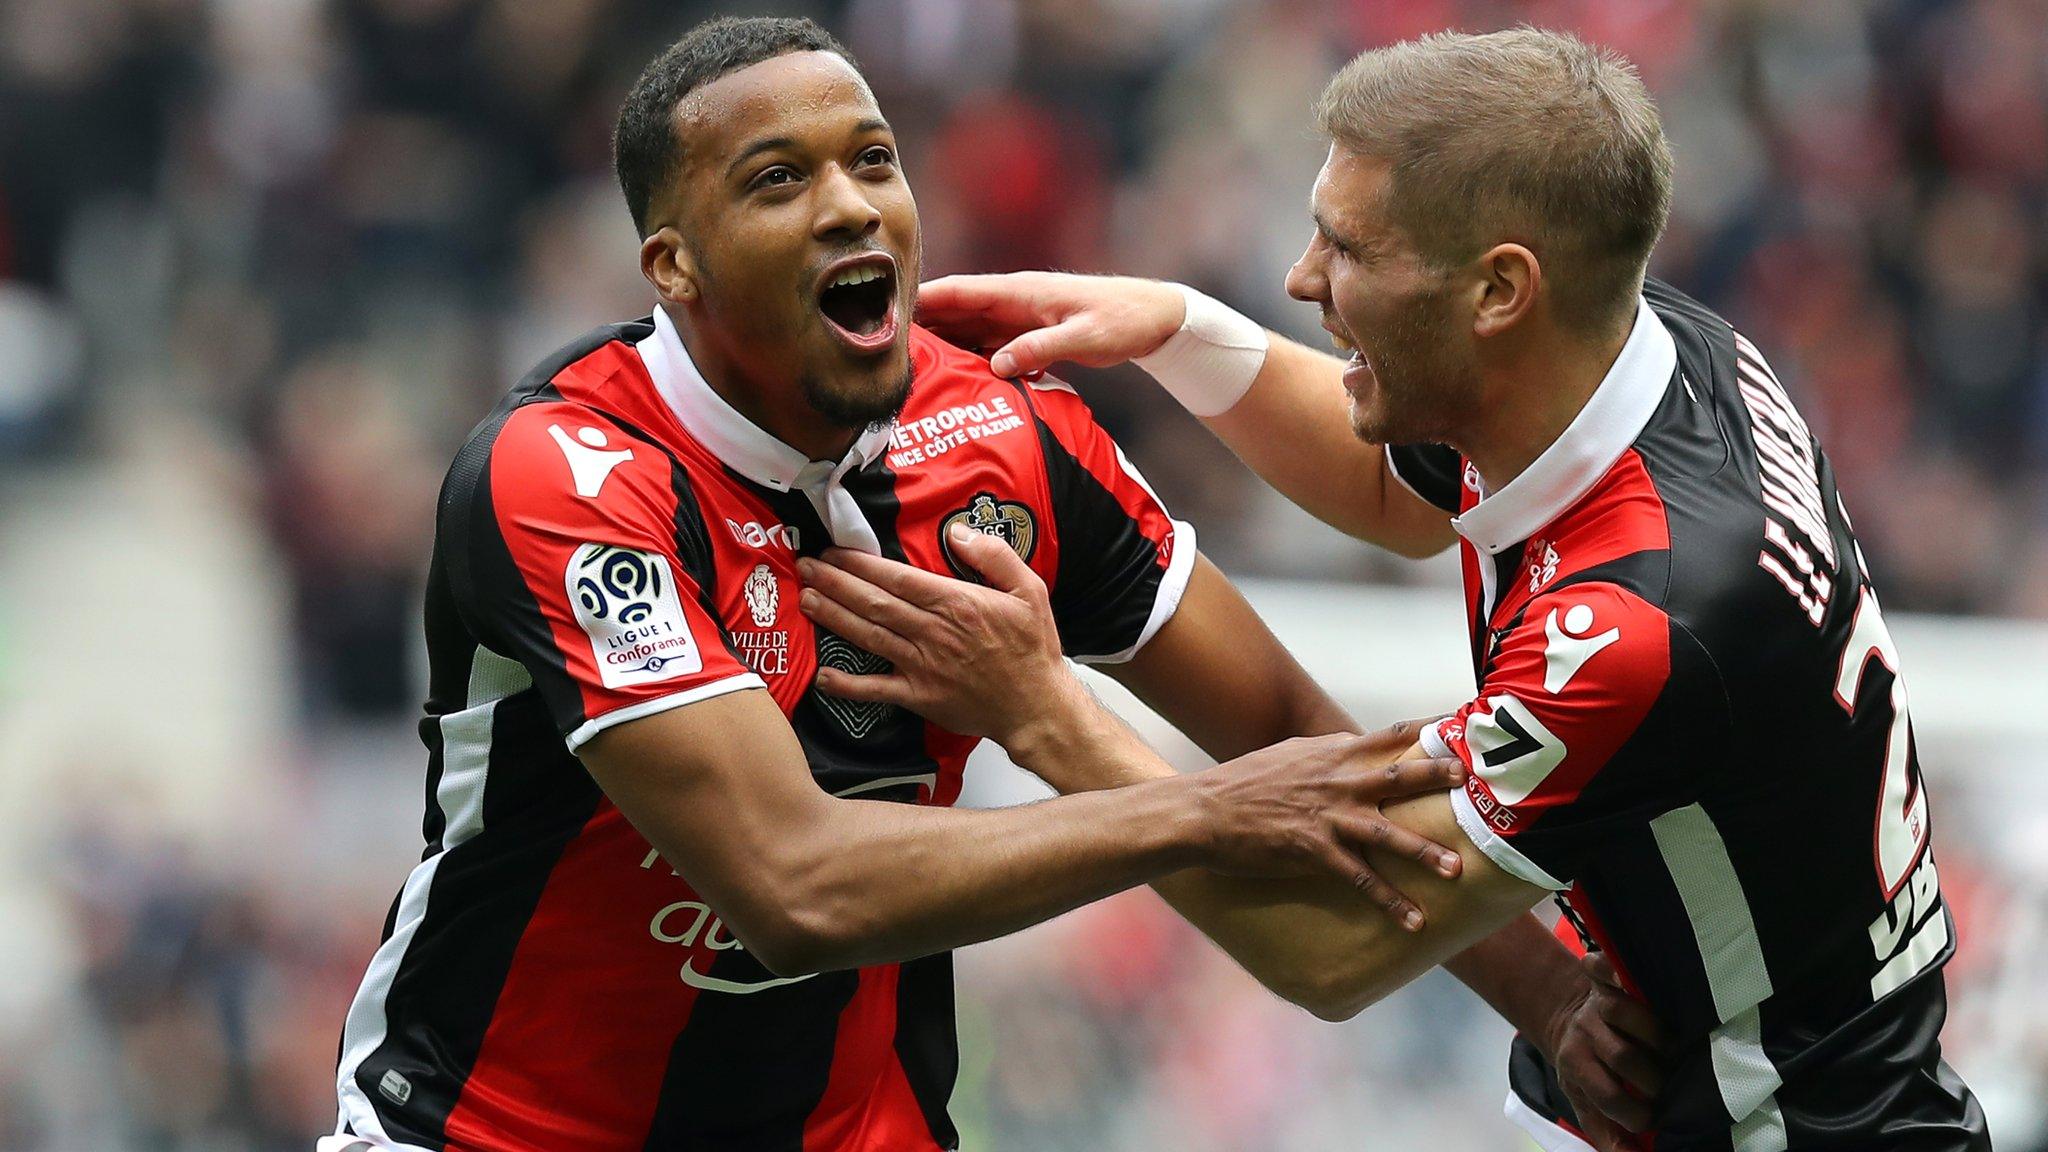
1531	397
782	412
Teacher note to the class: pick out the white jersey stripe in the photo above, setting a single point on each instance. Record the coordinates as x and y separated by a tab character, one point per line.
465	762
1705	877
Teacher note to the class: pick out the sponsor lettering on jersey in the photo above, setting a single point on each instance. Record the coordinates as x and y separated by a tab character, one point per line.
627	604
590	463
929	437
1542	564
1006	520
690	923
755	534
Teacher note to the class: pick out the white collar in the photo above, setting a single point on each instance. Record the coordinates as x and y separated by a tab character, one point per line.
737	441
1613	417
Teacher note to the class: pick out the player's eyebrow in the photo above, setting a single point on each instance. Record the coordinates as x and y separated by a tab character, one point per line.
767	144
1323	226
873	124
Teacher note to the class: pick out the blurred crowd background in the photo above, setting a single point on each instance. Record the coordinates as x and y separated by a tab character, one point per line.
264	262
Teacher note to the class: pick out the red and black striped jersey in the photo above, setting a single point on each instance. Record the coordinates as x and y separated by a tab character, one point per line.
615	540
1691	722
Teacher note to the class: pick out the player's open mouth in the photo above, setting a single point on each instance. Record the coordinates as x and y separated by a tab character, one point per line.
858	301
1356	370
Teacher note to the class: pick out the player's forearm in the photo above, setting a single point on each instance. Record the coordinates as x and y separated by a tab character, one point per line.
879	882
1308	941
1526	974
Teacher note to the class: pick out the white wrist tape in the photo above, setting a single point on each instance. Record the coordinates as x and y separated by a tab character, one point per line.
1211	362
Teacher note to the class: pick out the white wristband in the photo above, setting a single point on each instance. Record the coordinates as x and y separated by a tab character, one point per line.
1211	362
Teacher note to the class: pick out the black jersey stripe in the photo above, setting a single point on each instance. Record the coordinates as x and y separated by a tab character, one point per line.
929	1052
926	1042
749	1068
1102	594
464	923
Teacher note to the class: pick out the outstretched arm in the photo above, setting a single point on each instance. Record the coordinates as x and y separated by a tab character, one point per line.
811	882
1292	427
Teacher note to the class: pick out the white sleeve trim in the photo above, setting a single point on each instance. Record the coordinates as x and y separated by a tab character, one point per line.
1432	742
1501	852
733	683
1172	587
1548	1136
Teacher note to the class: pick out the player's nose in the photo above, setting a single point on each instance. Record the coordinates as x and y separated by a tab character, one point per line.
843	207
1305	280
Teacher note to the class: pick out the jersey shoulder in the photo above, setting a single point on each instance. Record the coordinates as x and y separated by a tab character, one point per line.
564	444
1590	637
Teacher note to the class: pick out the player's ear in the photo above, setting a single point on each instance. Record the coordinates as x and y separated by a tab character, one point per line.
1509	278
668	265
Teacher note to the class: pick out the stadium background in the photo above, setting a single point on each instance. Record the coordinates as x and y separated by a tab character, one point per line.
262	262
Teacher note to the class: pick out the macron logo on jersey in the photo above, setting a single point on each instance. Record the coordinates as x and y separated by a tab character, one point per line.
1569	641
589	464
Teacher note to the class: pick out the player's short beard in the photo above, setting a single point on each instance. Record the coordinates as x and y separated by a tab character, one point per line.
862	411
1426	382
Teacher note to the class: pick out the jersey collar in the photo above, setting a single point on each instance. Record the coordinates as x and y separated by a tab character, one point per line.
738	442
1604	429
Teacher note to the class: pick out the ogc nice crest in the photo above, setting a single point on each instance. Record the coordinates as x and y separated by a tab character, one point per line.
1007	520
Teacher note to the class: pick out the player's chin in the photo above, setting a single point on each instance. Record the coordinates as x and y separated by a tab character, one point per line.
1369	423
856	394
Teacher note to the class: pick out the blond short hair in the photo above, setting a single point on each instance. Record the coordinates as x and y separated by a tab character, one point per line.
1524	135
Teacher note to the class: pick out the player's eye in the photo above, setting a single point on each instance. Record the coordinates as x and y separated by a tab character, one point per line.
878	154
774	177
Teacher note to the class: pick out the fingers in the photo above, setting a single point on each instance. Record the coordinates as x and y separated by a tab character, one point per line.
915	587
997	562
1600	970
1633	1064
1391	839
1595	1090
1414	777
1400	734
1620	1009
1071	339
1633	1019
828	585
885	688
864	633
956	297
978	311
1355	871
1602	1133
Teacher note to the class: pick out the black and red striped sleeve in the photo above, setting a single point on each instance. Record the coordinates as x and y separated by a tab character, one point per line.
1595	711
1123	560
568	529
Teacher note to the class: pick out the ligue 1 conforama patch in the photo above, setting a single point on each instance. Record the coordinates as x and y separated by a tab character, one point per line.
1007	520
626	602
